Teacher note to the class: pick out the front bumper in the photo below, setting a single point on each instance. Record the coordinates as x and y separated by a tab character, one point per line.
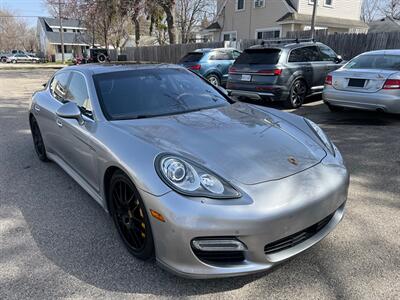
386	100
267	212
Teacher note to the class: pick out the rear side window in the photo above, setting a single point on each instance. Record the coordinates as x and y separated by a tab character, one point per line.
383	62
191	57
305	54
58	86
259	57
220	55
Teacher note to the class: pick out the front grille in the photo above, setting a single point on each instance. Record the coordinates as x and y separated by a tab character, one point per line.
296	238
219	257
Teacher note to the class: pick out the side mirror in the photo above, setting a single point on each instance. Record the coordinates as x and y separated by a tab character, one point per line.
70	110
224	91
338	59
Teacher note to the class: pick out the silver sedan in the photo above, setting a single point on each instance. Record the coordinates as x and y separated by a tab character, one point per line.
207	186
370	81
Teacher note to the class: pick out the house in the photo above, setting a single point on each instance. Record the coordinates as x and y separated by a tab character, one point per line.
265	19
76	39
387	24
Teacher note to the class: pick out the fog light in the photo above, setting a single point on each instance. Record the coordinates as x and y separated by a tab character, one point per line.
218	245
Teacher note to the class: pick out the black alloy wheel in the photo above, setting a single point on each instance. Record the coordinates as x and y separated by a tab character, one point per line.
130	217
297	95
38	140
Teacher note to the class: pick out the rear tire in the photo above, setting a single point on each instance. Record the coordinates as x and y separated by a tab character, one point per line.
334	108
130	216
297	94
214	79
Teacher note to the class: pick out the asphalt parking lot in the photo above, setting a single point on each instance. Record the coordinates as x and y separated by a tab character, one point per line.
55	241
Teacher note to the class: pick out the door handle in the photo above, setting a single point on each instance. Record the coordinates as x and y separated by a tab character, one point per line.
37	108
59	123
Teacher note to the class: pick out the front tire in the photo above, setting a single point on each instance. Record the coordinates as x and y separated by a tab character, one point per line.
297	95
214	79
38	140
130	216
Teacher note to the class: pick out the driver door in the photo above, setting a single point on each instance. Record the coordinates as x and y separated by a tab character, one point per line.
79	150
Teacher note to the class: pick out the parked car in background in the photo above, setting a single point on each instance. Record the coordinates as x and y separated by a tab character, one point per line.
212	64
282	70
22	58
96	55
370	81
147	141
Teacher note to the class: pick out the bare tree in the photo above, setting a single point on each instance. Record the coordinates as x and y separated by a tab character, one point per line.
190	13
169	8
392	9
369	10
15	33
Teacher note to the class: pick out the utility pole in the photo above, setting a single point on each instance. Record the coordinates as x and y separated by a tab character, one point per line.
314	13
61	32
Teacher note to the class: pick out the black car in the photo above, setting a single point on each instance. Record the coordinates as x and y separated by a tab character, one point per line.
286	71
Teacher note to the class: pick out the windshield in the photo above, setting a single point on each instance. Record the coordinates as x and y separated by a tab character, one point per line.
383	62
191	57
259	57
154	92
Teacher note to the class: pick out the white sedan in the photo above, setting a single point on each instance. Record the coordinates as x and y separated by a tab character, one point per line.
22	58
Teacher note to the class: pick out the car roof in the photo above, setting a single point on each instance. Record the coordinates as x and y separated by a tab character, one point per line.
278	45
204	50
383	52
91	69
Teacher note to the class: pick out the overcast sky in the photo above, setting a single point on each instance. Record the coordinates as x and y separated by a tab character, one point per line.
25	8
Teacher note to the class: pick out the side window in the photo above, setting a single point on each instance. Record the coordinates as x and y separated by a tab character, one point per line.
220	55
305	54
298	55
78	93
58	86
327	53
236	54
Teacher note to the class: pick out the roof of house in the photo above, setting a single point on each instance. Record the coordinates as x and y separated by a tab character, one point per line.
387	24
65	22
69	38
214	25
290	3
322	21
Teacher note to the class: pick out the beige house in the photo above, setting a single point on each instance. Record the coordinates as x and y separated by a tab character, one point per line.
265	19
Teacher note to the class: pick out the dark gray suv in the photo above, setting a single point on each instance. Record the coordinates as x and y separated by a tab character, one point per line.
285	71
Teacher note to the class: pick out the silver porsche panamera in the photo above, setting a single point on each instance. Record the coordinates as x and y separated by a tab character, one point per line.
208	186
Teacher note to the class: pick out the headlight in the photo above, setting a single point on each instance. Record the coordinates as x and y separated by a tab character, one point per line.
190	179
321	135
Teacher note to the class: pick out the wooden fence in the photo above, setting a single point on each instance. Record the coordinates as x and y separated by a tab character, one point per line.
347	45
162	54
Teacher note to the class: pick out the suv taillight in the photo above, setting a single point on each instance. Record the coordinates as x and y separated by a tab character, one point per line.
195	67
232	70
392	84
275	72
328	80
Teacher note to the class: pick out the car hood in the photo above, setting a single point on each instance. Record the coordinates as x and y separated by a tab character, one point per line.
239	142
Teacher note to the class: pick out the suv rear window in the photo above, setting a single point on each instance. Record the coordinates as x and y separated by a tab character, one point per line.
191	57
259	56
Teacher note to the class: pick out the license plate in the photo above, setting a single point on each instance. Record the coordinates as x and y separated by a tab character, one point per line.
246	77
357	82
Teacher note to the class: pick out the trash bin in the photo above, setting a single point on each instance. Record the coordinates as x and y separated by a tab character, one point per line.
122	57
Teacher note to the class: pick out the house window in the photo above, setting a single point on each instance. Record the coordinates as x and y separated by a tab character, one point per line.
265	34
240	5
259	3
328	3
229	36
